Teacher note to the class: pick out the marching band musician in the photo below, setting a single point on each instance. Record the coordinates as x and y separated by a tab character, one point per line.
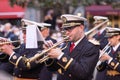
100	36
45	74
111	61
22	70
78	61
3	57
5	66
100	33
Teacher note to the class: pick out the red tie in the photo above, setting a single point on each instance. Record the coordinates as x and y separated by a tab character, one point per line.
98	33
113	51
72	47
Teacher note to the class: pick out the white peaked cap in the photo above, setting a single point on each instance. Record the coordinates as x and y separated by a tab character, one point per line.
70	20
100	18
45	24
112	29
70	17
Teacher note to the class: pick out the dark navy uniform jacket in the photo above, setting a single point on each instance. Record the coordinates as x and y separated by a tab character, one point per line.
113	65
79	64
19	66
5	65
101	37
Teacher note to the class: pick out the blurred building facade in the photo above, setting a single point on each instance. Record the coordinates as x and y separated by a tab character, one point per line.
12	14
35	9
104	10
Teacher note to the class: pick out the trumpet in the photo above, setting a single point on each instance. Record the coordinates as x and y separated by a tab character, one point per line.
5	57
101	65
96	27
44	52
105	49
11	42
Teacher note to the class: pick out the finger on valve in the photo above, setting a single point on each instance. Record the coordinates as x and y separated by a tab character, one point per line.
48	44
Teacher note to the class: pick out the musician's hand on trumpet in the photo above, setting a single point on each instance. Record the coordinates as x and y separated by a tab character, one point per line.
53	53
48	44
6	47
105	57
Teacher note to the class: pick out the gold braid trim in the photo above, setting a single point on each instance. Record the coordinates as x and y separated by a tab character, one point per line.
116	65
11	62
49	64
18	61
71	24
67	65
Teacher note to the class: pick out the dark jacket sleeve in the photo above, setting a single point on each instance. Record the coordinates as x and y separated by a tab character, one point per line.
22	62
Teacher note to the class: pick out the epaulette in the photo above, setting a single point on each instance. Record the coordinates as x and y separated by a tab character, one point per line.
93	41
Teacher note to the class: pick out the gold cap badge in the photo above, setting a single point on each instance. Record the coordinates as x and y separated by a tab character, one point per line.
64	20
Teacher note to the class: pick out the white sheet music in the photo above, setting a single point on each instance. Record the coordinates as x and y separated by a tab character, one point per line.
32	36
40	36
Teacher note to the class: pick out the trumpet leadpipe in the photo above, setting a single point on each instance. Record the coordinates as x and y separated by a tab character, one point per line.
96	27
9	42
105	49
43	59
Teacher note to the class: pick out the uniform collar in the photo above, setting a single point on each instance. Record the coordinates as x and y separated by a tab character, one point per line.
102	30
78	40
116	47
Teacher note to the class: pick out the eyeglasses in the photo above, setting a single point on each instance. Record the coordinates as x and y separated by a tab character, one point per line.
69	28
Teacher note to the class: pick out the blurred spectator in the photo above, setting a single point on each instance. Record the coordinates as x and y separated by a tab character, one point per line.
8	33
57	35
16	31
1	30
50	18
58	24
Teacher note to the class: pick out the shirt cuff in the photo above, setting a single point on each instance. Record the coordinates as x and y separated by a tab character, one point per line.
11	55
59	57
110	60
